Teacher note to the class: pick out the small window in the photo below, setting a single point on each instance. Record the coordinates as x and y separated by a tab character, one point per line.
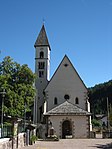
76	100
67	97
41	74
65	64
41	54
55	101
41	65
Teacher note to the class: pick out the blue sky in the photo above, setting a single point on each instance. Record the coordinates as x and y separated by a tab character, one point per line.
81	29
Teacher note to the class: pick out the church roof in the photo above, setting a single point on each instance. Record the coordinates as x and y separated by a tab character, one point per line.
42	39
67	108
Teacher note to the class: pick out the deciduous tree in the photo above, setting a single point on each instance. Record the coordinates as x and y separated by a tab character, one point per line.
17	80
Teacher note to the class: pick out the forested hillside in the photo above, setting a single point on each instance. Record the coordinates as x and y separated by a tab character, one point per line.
98	97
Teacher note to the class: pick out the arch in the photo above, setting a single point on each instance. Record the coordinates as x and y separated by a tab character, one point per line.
55	101
76	100
41	54
66	128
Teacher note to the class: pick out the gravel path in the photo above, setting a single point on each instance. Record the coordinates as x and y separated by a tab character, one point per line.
73	144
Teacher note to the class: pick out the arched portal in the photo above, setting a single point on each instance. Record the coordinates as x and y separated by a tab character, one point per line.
66	129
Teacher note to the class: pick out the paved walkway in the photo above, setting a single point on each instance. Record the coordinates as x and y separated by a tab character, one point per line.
73	144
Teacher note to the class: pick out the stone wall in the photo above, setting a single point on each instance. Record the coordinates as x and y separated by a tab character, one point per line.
21	140
7	143
79	125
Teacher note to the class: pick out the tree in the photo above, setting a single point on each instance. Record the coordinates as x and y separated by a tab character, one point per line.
98	97
18	82
96	123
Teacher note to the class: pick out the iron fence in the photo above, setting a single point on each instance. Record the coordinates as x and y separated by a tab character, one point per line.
6	131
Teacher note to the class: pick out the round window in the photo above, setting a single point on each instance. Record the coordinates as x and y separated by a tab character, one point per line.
67	97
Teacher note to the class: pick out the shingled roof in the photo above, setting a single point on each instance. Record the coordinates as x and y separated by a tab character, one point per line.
42	39
67	108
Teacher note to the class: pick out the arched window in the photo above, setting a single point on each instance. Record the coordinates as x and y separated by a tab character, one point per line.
76	100
55	101
41	74
41	54
41	65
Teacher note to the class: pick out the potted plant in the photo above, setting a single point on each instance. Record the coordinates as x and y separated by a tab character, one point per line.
33	138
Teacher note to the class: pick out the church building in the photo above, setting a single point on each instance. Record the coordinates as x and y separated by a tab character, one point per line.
62	101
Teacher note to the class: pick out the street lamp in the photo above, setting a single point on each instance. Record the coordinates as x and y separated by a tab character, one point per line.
25	115
2	114
25	105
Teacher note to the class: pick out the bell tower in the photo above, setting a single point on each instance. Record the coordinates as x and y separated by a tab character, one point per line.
42	71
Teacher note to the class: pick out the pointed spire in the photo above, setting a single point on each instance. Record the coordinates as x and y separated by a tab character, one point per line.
42	39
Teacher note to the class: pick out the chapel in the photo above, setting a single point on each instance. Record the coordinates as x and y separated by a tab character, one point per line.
61	101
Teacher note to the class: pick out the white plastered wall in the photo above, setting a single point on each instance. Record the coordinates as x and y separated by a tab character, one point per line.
66	81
